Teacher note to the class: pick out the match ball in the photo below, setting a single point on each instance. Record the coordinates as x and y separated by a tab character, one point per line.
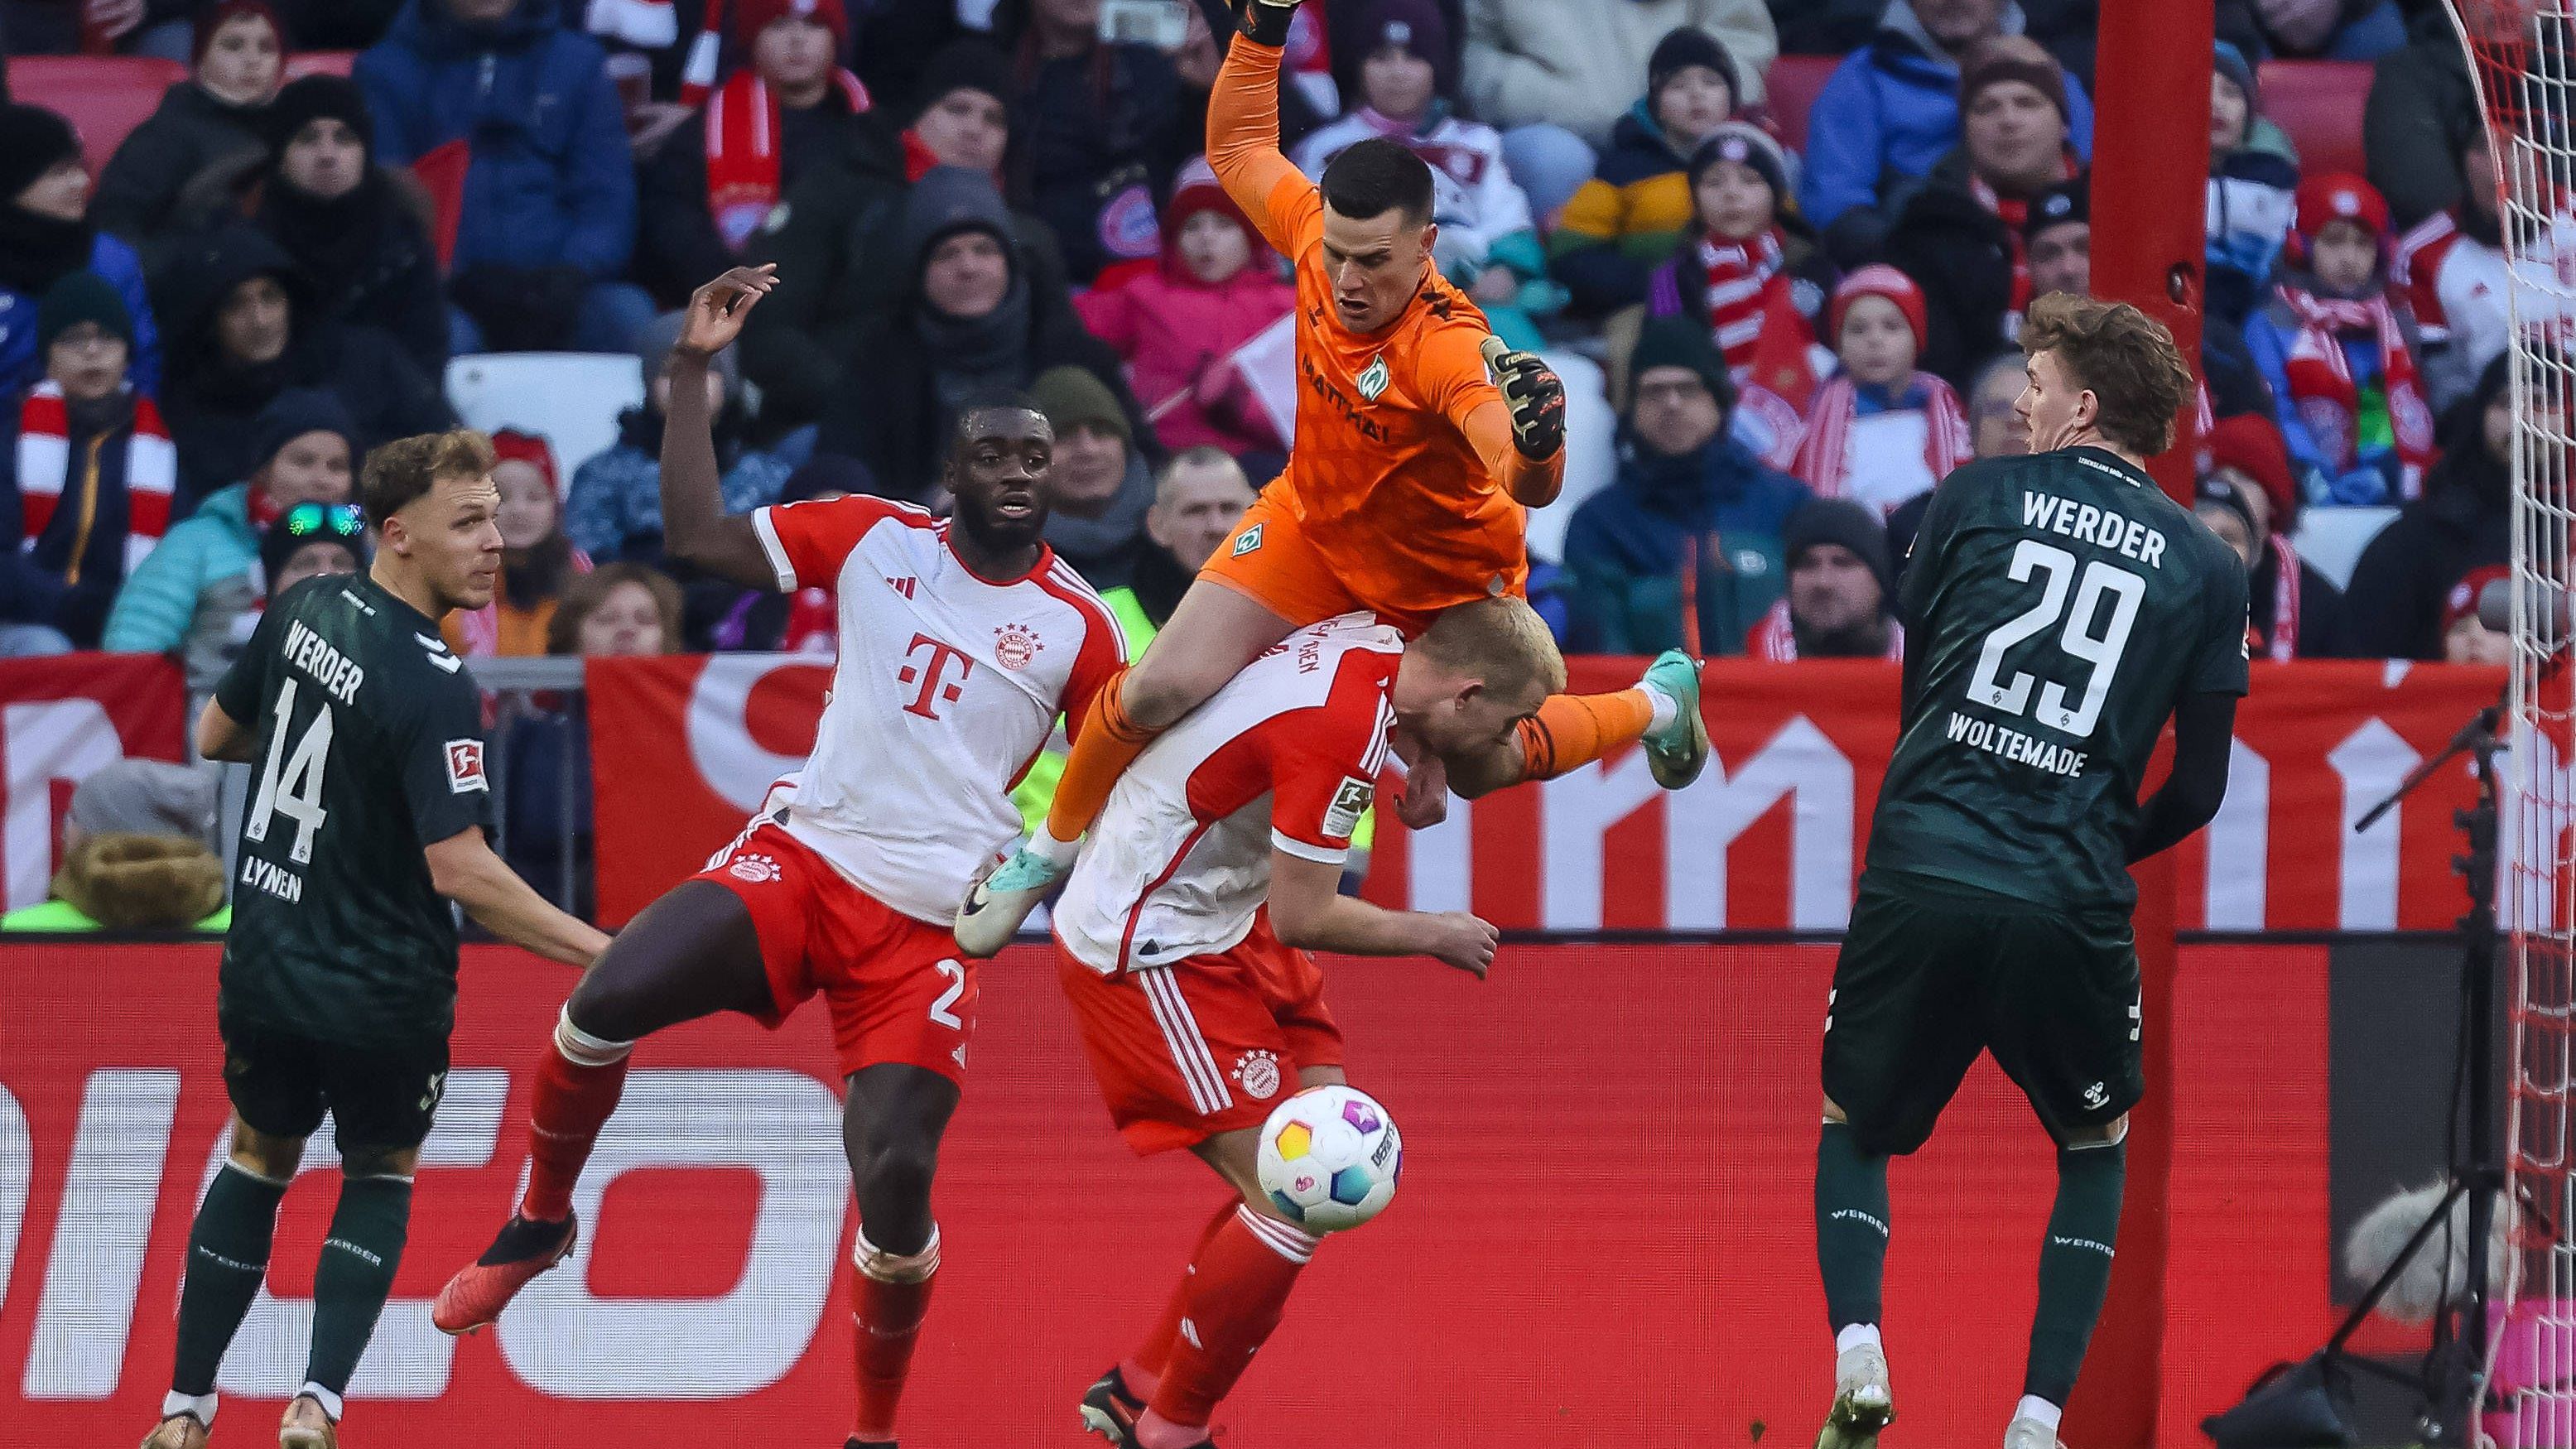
1330	1158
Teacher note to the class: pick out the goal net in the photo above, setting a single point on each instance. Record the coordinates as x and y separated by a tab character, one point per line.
2520	62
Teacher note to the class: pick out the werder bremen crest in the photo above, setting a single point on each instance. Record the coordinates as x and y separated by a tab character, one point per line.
1373	382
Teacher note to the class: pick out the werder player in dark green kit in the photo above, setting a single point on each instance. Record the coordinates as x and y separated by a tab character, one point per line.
2058	609
367	811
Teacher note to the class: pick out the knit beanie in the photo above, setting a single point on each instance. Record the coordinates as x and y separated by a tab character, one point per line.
33	141
2231	64
1196	189
1415	27
970	64
1880	280
510	445
2219	493
82	296
948	200
215	17
2065	204
1071	396
653	347
750	17
298	411
1856	526
2251	444
146	797
308	523
2462	600
2011	58
2339	196
1745	144
315	98
1681	48
1677	342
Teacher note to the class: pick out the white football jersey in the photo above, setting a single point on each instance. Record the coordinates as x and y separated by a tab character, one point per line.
1286	755
946	688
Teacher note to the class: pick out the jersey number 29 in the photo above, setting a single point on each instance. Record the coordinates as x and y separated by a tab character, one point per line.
2100	650
296	791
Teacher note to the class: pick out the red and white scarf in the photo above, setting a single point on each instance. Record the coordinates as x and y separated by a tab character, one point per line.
1774	641
1735	282
2012	211
2327	398
45	466
742	151
2283	645
1947	439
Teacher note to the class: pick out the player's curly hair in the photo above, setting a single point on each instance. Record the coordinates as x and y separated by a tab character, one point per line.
407	468
2125	357
1502	642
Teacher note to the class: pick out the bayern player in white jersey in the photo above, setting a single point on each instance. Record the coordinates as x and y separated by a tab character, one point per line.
961	641
1198	1007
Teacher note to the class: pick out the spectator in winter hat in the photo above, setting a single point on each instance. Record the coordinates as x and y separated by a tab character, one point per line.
538	562
46	234
1627	218
1996	426
614	511
1841	602
138	855
357	231
1179	328
1895	106
2236	119
1881	432
1746	268
2465	637
2350	403
214	120
1692	515
2057	239
1105	129
87	478
195	596
714	185
2293	611
310	540
1488	242
1099	488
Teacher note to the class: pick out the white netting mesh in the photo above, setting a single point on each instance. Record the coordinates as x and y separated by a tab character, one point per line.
2521	57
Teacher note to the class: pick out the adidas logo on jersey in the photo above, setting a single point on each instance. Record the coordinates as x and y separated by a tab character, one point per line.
903	586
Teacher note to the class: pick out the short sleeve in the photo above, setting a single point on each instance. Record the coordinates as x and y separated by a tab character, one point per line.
1323	773
2417	279
1450	373
1103	654
2221	664
808	542
442	773
245	683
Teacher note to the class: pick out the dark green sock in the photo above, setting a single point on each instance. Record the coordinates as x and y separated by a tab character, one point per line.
1851	1226
356	1274
2075	1266
227	1259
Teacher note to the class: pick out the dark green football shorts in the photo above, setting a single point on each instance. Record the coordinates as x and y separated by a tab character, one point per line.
1931	974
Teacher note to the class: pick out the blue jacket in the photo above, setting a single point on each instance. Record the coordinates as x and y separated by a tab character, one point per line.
1893	106
614	510
21	368
1624	549
158	604
2372	479
552	179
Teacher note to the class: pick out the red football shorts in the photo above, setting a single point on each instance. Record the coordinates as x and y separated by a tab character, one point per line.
897	988
1208	1044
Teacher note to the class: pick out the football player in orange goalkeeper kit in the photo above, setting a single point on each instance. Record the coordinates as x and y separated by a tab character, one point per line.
1404	495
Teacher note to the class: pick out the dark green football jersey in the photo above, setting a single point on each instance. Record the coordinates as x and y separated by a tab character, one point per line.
2056	608
370	747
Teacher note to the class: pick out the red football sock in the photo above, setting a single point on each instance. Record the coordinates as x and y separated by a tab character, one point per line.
578	1083
1236	1299
1145	1370
889	1298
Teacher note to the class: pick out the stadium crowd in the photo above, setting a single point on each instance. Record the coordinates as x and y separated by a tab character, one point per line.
1773	352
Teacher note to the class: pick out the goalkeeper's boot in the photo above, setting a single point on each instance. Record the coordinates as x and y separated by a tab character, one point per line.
1863	1403
177	1431
1000	901
1111	1412
2027	1433
307	1426
1676	753
523	1249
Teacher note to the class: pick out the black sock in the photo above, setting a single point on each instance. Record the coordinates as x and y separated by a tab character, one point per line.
2075	1266
227	1260
356	1274
1851	1226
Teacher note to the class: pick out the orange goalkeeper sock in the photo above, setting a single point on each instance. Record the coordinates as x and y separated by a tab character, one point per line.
1110	744
1572	730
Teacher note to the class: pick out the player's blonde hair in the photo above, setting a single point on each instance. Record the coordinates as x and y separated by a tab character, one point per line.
407	468
1502	642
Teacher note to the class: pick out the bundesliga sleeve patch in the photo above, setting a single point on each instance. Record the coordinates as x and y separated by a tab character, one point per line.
465	766
1350	802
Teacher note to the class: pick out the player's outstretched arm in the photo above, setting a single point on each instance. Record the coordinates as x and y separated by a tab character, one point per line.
1309	912
2204	735
694	524
221	737
1243	120
463	868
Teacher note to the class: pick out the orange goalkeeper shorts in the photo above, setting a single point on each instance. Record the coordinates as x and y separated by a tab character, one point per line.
1273	561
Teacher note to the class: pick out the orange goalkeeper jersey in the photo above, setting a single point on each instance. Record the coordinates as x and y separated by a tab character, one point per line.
1397	474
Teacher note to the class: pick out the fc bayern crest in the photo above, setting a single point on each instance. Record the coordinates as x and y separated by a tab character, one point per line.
1015	645
1258	1071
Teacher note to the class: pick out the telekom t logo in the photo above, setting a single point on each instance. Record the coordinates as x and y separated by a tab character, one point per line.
934	676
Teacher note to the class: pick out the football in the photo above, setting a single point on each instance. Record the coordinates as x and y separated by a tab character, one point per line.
1330	1157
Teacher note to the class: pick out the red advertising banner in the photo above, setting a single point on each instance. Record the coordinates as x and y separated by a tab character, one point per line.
60	718
1604	1235
1770	838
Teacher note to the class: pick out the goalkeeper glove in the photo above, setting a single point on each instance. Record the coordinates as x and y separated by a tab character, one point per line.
1536	397
1266	21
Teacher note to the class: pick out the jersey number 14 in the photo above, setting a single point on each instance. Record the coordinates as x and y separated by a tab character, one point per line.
296	790
2100	650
